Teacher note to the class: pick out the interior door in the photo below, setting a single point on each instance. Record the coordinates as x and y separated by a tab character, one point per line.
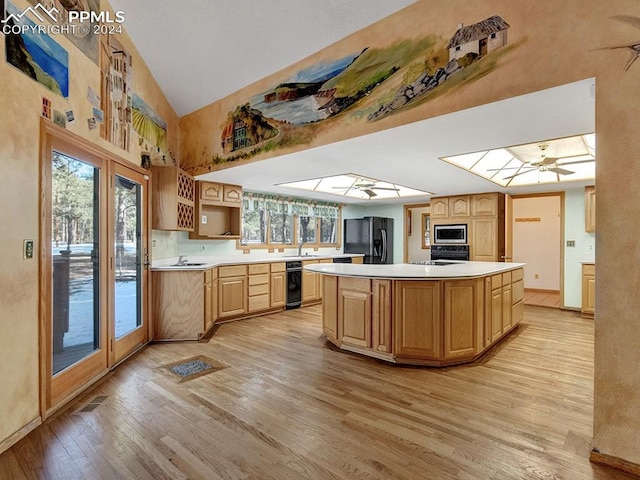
128	261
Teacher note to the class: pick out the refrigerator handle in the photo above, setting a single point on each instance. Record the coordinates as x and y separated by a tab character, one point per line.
384	246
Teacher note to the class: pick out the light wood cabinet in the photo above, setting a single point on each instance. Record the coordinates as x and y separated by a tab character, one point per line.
359	260
232	291
484	239
278	286
459	206
184	304
354	312
218	211
173	198
588	290
460	319
590	208
381	321
417	318
440	207
484	204
312	283
330	308
259	280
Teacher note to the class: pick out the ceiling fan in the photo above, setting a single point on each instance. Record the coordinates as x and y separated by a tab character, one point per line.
548	164
366	186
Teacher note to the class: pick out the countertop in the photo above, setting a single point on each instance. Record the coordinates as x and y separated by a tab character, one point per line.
206	262
409	271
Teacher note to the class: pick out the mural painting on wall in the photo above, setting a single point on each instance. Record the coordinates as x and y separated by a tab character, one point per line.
116	75
36	54
362	87
83	38
148	124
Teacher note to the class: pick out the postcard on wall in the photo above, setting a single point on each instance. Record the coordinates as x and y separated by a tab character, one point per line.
93	97
98	115
59	118
36	54
70	117
91	122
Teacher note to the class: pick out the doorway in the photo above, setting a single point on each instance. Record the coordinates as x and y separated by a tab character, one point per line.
538	233
94	279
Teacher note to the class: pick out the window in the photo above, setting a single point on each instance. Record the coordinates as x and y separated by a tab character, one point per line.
426	230
269	221
493	35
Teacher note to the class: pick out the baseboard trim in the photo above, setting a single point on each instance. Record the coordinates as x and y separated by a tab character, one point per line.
541	290
10	441
615	462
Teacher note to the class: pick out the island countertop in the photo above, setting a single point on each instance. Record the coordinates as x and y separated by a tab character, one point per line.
406	271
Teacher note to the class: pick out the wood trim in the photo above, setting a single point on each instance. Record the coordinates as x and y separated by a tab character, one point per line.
540	290
615	462
405	215
14	438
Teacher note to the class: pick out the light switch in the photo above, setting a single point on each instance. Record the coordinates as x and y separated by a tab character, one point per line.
571	243
27	251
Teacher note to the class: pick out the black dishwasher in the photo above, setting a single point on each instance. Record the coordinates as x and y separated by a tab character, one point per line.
294	284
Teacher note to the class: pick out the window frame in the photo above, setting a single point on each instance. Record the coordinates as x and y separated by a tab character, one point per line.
295	243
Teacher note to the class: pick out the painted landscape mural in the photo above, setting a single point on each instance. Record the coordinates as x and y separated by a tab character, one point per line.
364	86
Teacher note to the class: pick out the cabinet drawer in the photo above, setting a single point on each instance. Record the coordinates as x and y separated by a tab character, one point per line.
259	302
588	269
496	281
278	267
258	289
258	268
361	284
232	271
506	278
210	191
232	194
517	291
261	279
517	274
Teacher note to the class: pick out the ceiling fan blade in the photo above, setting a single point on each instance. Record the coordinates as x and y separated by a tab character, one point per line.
385	188
576	162
561	171
371	193
547	161
520	173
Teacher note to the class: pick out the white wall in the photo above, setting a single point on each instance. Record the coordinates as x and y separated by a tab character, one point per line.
415	251
585	246
538	243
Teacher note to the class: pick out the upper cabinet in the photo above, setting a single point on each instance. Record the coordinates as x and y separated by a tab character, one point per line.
440	207
173	199
459	206
590	208
484	204
218	211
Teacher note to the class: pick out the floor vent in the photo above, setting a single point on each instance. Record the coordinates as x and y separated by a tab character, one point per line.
93	404
193	367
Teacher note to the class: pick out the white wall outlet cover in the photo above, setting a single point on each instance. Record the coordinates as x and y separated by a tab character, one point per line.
204	219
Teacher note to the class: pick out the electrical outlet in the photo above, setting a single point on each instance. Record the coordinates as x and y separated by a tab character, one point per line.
154	243
27	251
204	220
536	276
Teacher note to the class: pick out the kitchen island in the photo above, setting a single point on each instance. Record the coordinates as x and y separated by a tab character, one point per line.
436	315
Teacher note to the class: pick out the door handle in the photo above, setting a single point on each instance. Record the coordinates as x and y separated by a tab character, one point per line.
383	259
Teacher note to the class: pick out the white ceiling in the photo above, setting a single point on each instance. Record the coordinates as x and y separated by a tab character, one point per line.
213	48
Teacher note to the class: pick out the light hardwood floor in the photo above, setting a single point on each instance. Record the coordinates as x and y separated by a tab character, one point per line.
289	406
542	298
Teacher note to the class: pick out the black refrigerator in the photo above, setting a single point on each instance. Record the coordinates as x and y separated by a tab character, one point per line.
371	236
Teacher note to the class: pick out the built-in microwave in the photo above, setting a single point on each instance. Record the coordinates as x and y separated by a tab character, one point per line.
448	234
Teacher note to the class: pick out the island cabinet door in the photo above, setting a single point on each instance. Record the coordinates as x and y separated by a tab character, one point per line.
354	312
460	319
381	316
330	307
417	319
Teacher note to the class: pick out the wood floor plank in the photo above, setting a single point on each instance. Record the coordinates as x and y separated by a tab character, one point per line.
290	406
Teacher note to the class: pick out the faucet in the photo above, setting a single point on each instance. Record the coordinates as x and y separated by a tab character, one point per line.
300	249
182	259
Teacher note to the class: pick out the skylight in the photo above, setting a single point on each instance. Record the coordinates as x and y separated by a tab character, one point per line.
355	186
567	159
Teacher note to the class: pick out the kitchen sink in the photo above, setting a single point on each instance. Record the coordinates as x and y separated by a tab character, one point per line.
306	255
188	264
